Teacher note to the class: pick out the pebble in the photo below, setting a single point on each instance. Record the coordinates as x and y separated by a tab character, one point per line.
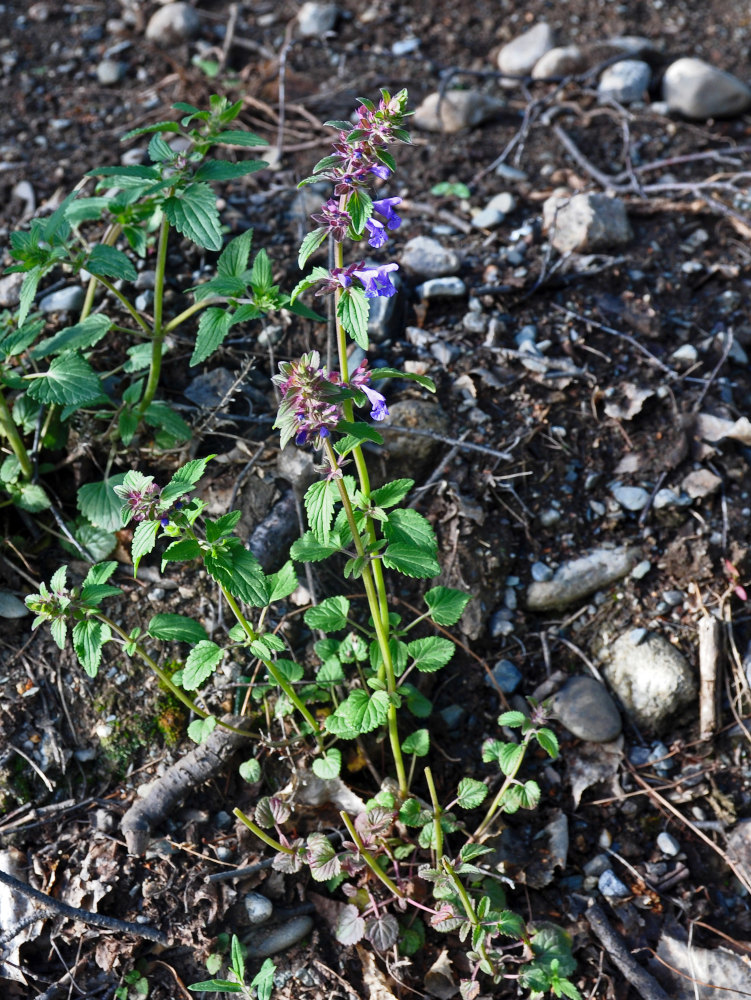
739	844
145	300
453	715
563	60
652	679
110	71
315	19
413	451
475	322
611	886
700	483
519	56
458	110
147	278
586	222
541	573
625	82
427	258
264	943
259	908
693	88
506	676
175	23
669	498
10	289
668	844
62	300
585	708
549	517
495	211
509	173
442	288
686	355
209	389
633	498
385	314
297	466
11	606
580	577
641	569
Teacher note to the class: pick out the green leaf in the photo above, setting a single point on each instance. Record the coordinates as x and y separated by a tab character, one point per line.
186	476
201	663
144	540
409	527
471	793
30	497
250	771
283	583
193	213
238	137
161	415
310	244
512	719
100	504
354	434
431	653
127	425
328	616
391	493
261	275
88	638
548	741
147	129
212	985
128	174
224	170
319	504
510	757
74	338
223	525
360	208
240	572
309	549
446	605
200	729
182	550
176	628
353	311
411	561
233	260
100	573
59	630
213	327
97	542
423	380
417	743
417	703
360	713
237	958
109	262
328	767
28	292
263	981
68	380
92	594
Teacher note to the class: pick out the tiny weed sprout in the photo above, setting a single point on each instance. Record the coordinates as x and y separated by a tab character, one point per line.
415	859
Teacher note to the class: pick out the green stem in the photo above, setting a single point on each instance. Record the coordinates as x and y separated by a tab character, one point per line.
15	440
481	831
437	813
126	304
466	904
369	859
190	311
157	335
261	834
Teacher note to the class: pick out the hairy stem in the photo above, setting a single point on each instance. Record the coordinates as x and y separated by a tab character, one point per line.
369	859
466	902
157	334
15	440
437	813
481	831
261	834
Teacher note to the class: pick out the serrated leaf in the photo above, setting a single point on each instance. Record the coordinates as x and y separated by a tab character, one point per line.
328	767
354	434
233	260
322	858
431	653
70	380
224	170
548	741
238	137
176	628
223	525
328	616
282	583
350	926
85	334
417	703
510	756
168	126
512	719
408	526
193	213
201	663
100	573
92	594
88	638
271	811
100	504
319	505
382	931
471	793
250	771
360	713
446	605
310	244
127	425
353	311
391	493
309	549
200	729
213	327
360	208
144	540
425	381
182	550
188	475
417	743
411	561
30	497
28	292
109	262
161	415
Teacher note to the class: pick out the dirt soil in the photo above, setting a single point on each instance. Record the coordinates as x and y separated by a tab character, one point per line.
609	405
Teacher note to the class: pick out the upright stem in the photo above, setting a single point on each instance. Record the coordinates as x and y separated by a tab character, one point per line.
15	440
437	813
157	335
482	829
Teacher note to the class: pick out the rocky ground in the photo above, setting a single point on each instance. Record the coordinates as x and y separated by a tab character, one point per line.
577	288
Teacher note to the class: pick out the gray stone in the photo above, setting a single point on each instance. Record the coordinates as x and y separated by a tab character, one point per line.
519	56
64	299
563	60
259	908
413	451
641	569
442	288
11	606
669	498
667	843
549	517
633	498
475	322
633	45
175	23
210	389
701	483
495	211
611	886
315	19
686	355
652	679
270	941
459	109
146	279
580	577
385	313
144	300
541	573
586	222
297	466
625	82
695	89
692	973
10	289
110	71
739	844
271	335
428	258
506	675
452	715
585	708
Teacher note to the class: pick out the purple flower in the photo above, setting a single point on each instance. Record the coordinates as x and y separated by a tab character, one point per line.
385	207
377	233
332	218
381	170
164	522
379	410
377	280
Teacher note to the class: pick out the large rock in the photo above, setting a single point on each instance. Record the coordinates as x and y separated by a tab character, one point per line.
586	222
175	23
585	708
695	89
692	973
577	579
457	110
518	57
427	258
651	677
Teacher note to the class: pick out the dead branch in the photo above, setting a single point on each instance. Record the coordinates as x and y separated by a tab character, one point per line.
192	770
710	656
645	984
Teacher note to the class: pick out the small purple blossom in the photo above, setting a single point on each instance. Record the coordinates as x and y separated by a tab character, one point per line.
377	232
385	207
379	410
334	219
311	400
377	280
164	521
381	170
